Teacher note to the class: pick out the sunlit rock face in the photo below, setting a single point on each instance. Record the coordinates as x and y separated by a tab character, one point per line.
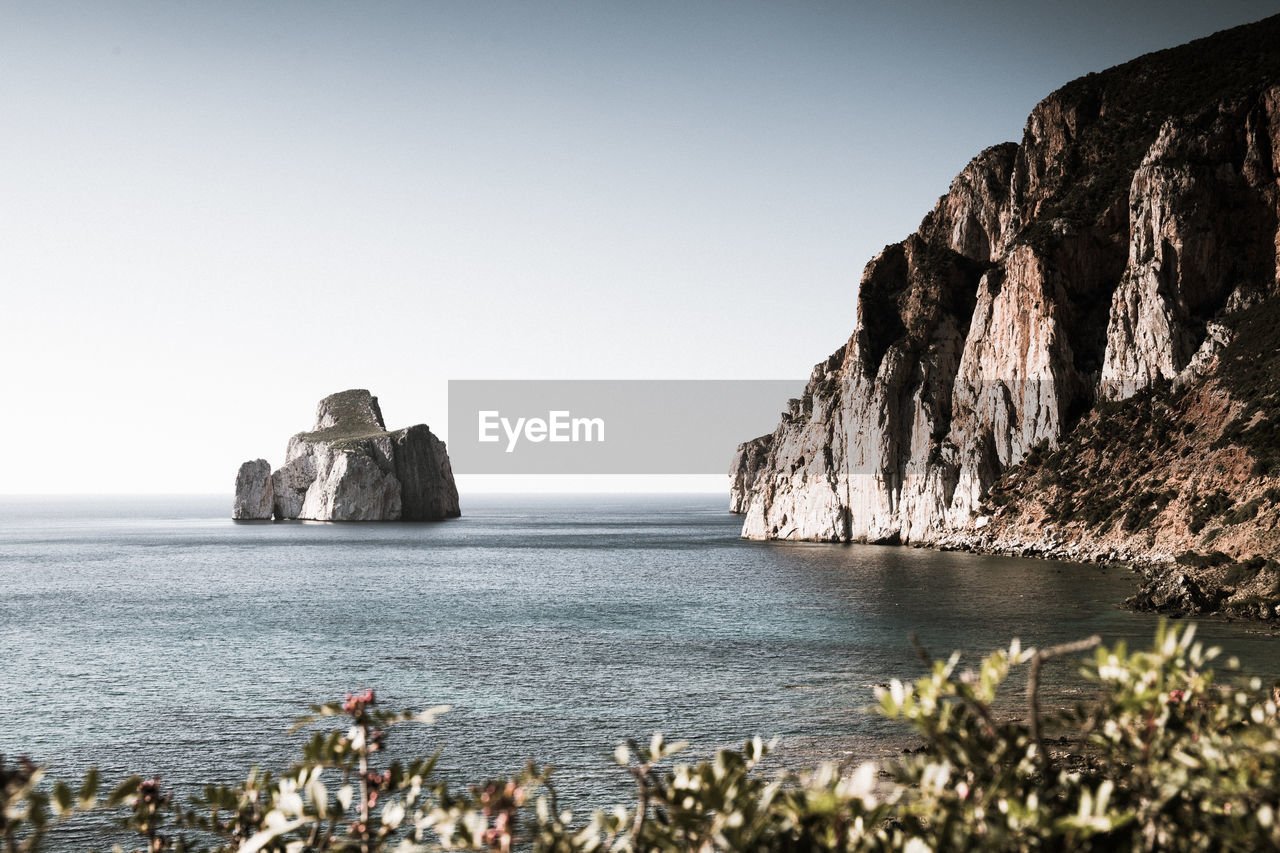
349	467
1087	262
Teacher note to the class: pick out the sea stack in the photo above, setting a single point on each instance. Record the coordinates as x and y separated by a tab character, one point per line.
350	467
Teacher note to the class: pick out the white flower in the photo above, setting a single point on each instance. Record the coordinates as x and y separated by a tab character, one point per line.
288	800
392	815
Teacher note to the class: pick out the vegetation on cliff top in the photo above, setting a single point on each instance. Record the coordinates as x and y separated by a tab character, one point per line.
357	418
1119	113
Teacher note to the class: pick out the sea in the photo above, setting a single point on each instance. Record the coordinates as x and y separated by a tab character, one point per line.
154	635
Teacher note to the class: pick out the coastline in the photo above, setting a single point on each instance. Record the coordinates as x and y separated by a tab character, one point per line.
1168	585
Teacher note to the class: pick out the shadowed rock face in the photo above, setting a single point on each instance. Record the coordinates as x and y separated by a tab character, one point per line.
351	468
749	460
254	495
426	480
1085	263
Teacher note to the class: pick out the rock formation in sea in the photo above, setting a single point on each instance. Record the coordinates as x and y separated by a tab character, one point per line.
255	500
1115	252
349	467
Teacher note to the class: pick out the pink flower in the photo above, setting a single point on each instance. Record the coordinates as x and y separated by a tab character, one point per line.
355	703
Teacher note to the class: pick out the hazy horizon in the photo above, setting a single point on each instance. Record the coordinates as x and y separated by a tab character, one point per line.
215	215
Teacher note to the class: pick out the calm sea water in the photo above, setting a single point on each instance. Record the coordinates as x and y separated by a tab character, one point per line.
155	635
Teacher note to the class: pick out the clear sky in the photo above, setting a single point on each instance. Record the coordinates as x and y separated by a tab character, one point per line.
213	214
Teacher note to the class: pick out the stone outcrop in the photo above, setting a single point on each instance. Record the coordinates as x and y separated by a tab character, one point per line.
1101	256
255	500
1172	592
1195	223
351	468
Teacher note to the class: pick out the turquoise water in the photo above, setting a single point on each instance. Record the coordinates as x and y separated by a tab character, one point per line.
155	635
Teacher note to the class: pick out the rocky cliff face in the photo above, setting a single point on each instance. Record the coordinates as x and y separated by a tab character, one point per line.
1104	254
351	468
1181	478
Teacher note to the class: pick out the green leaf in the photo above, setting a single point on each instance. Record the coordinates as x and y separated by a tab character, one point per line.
38	809
88	795
61	797
124	791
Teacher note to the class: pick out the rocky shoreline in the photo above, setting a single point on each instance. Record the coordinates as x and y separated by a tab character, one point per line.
1170	584
1051	546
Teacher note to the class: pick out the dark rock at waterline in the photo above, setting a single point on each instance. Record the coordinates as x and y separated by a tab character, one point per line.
1173	592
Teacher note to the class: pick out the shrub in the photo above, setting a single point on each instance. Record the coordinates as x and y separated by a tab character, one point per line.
1144	508
1244	571
1099	512
1207	508
1065	510
1243	513
1199	561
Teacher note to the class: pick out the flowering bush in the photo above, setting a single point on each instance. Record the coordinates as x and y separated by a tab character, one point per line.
1168	760
1163	759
